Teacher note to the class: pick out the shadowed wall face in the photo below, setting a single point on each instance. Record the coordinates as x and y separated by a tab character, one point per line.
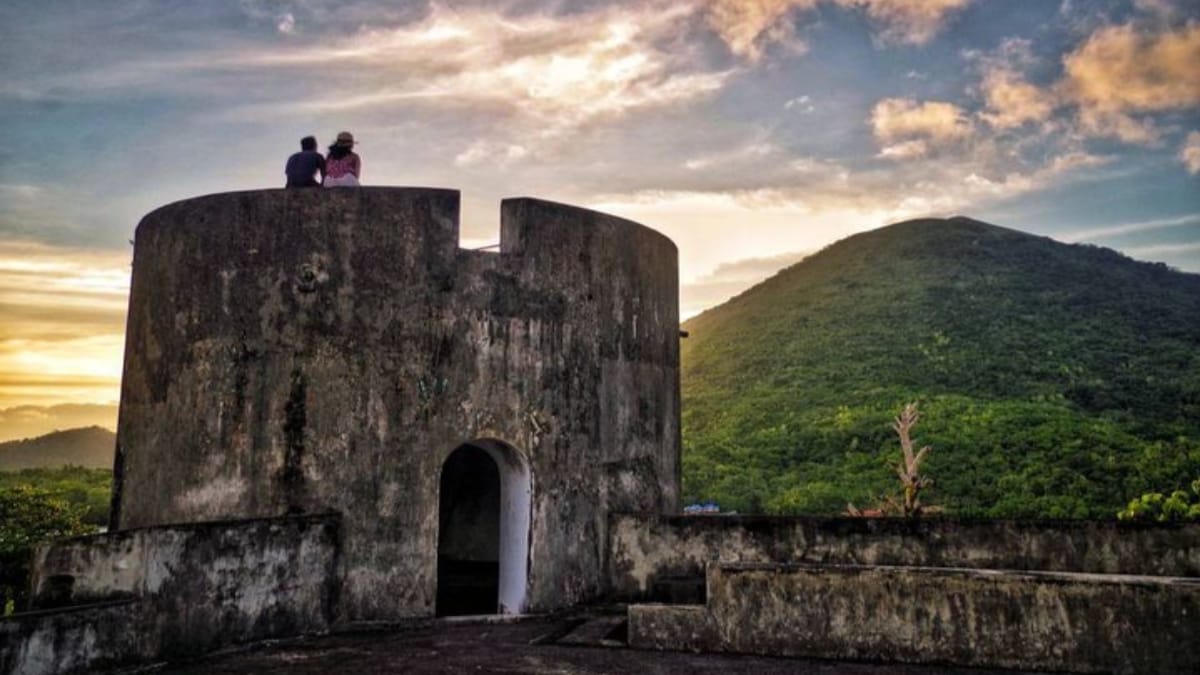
299	351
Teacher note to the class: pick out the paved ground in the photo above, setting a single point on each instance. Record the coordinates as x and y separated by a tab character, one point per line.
516	647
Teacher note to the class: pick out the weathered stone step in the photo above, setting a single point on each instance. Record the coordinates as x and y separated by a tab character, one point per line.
603	631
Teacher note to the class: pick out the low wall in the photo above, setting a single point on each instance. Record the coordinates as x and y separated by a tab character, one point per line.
644	548
75	639
1084	623
188	589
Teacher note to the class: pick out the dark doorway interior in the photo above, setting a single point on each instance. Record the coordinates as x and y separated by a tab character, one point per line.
469	534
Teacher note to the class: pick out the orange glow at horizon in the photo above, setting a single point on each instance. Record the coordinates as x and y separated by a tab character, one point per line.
63	328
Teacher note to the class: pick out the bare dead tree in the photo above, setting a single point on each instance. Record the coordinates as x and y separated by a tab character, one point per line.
909	469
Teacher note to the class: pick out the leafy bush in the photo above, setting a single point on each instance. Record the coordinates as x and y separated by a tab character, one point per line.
1179	505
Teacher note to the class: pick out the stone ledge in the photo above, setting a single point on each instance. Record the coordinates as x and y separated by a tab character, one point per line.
1082	623
644	547
684	628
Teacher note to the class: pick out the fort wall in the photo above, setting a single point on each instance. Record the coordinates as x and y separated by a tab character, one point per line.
1071	596
305	351
167	593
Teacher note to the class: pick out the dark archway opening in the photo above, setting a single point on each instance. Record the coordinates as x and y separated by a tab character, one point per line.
469	534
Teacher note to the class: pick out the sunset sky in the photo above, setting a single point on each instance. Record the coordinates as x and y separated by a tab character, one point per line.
752	132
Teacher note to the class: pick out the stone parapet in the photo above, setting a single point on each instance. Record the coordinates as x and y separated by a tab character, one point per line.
1070	622
646	548
174	591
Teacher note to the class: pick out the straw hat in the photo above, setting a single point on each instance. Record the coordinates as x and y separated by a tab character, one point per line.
345	138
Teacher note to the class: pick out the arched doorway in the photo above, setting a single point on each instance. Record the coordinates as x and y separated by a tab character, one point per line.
483	530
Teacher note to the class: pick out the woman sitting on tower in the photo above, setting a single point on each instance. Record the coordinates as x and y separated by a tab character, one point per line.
342	166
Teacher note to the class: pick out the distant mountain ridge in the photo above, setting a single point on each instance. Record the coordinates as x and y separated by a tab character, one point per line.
1055	379
90	447
29	421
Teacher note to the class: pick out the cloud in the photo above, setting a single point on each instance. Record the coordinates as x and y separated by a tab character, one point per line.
286	23
905	150
1130	228
764	219
1164	9
20	190
29	421
1123	70
63	333
60	213
1012	102
753	268
550	72
908	129
992	183
1117	82
1160	249
804	205
729	279
542	76
748	27
912	22
27	266
758	151
1189	154
495	155
802	104
1120	81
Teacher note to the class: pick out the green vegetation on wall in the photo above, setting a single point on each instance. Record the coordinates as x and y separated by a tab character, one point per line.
1054	380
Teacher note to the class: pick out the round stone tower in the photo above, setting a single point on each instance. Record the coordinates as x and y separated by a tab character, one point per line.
473	415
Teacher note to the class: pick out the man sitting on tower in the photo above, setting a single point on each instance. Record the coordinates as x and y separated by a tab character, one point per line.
303	167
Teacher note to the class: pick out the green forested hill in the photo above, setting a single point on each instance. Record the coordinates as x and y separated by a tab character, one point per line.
1055	380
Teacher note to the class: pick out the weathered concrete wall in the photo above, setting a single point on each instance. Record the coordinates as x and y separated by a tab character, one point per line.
309	350
175	591
251	565
648	547
76	639
1069	622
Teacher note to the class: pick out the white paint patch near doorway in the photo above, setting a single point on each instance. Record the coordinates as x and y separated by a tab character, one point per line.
507	538
516	491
